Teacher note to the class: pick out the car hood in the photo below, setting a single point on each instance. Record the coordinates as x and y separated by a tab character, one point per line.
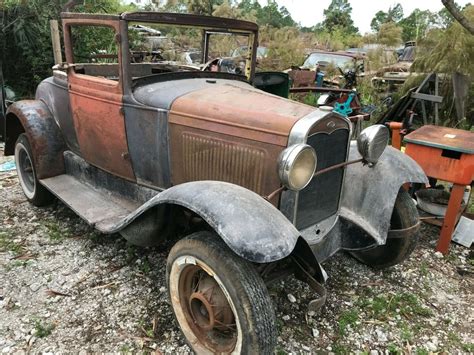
241	109
398	67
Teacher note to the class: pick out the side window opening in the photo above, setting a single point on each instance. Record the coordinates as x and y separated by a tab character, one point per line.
95	51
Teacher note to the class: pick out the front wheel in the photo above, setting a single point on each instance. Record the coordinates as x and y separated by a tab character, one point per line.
36	193
219	300
396	250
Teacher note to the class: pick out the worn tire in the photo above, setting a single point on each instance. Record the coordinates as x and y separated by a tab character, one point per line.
396	250
253	312
36	193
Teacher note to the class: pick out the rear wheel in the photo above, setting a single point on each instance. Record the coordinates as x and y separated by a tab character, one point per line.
220	301
36	193
396	250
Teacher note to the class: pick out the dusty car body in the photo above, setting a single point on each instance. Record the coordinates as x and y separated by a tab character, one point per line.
344	63
396	74
262	185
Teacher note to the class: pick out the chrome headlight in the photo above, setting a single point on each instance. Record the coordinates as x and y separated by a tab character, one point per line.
296	166
372	142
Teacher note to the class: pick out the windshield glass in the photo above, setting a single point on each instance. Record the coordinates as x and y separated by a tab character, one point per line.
326	58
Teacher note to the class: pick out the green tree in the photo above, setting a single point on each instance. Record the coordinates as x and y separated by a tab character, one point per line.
249	7
274	16
389	34
25	43
417	24
449	51
203	7
227	10
338	15
394	14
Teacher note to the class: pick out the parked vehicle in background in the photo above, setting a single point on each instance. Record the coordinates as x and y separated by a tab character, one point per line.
323	60
262	52
392	76
247	186
334	66
192	56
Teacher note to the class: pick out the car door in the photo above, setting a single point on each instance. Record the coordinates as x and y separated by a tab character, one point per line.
96	92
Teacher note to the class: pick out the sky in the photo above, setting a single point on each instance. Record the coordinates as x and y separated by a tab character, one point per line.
310	12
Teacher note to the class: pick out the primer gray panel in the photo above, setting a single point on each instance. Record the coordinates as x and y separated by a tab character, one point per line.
54	93
369	194
147	137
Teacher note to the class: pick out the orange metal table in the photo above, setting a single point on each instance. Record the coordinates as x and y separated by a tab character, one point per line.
445	154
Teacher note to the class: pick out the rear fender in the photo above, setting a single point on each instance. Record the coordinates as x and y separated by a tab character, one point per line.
369	194
34	119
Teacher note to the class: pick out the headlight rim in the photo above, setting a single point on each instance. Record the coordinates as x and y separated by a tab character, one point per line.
369	140
286	163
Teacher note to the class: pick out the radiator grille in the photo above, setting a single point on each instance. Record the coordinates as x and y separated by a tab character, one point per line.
212	159
320	199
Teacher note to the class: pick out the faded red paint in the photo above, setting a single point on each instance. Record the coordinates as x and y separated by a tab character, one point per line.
240	112
426	146
96	105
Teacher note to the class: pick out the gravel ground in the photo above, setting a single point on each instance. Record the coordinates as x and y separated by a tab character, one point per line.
66	288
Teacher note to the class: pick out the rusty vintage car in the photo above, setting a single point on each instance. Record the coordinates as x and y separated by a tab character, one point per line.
249	186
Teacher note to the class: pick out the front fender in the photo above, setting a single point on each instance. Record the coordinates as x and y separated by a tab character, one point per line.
252	227
34	118
369	194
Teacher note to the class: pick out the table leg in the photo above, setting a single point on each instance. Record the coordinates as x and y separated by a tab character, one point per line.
449	222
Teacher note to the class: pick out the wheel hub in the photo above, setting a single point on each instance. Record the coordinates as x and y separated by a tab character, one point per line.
209	307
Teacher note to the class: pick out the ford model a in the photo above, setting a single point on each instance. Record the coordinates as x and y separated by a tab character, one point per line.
248	185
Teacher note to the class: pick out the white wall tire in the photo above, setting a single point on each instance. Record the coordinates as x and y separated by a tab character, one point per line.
219	300
36	193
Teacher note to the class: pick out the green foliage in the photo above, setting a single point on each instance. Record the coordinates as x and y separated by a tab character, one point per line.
27	39
390	34
383	307
338	15
55	232
7	243
43	330
417	24
337	39
311	99
203	7
284	48
394	14
447	51
346	319
273	16
450	51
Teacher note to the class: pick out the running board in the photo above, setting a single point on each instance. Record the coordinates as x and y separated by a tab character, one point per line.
103	200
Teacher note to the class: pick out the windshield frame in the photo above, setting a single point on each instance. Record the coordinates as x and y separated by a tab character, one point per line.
209	24
348	59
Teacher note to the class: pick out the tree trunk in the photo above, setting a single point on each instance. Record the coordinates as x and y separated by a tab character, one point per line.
453	10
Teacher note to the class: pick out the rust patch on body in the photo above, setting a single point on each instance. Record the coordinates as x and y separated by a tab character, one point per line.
239	112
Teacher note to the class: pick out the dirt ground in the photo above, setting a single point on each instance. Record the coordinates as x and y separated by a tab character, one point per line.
66	288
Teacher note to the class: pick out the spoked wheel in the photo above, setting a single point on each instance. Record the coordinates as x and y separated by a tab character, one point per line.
33	190
219	300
